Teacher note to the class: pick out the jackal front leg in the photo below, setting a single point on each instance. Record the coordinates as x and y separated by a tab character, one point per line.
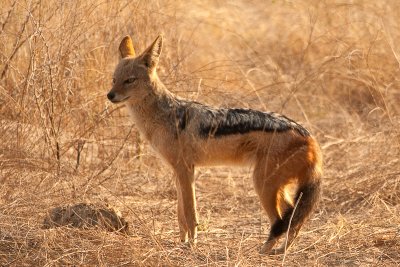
187	215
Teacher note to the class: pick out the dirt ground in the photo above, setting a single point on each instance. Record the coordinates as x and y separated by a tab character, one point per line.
333	66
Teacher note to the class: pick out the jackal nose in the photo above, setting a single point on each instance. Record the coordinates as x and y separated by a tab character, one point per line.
111	95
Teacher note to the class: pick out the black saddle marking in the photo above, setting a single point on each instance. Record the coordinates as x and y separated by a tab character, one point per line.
221	122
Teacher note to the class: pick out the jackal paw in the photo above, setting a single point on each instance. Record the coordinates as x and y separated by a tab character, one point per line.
277	251
189	243
266	248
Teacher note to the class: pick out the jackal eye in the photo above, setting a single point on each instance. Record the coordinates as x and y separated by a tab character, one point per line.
113	81
130	80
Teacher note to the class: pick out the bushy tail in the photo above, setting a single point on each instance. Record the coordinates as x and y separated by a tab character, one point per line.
307	197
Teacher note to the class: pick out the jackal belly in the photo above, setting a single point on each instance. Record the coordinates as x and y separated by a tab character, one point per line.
238	149
216	152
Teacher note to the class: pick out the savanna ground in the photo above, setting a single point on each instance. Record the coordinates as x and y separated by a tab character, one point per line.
331	65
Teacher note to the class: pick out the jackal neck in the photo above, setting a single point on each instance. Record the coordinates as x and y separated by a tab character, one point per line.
152	113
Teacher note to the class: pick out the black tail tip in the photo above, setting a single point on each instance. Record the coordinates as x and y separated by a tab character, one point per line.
306	199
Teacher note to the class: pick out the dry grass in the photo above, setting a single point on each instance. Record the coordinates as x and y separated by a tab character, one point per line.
332	66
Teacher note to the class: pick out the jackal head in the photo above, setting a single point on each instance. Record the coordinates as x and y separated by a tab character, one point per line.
134	75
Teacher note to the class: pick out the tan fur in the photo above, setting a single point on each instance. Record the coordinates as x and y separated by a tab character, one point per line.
283	161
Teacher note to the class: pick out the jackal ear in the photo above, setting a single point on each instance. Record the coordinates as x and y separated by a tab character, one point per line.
151	55
126	47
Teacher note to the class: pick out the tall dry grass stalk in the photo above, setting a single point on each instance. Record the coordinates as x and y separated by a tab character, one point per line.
332	66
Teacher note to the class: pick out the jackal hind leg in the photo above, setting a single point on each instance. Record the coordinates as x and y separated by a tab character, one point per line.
275	232
267	187
187	215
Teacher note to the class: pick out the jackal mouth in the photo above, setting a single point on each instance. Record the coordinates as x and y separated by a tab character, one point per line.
119	101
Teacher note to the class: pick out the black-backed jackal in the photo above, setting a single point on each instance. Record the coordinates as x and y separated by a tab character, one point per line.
286	158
